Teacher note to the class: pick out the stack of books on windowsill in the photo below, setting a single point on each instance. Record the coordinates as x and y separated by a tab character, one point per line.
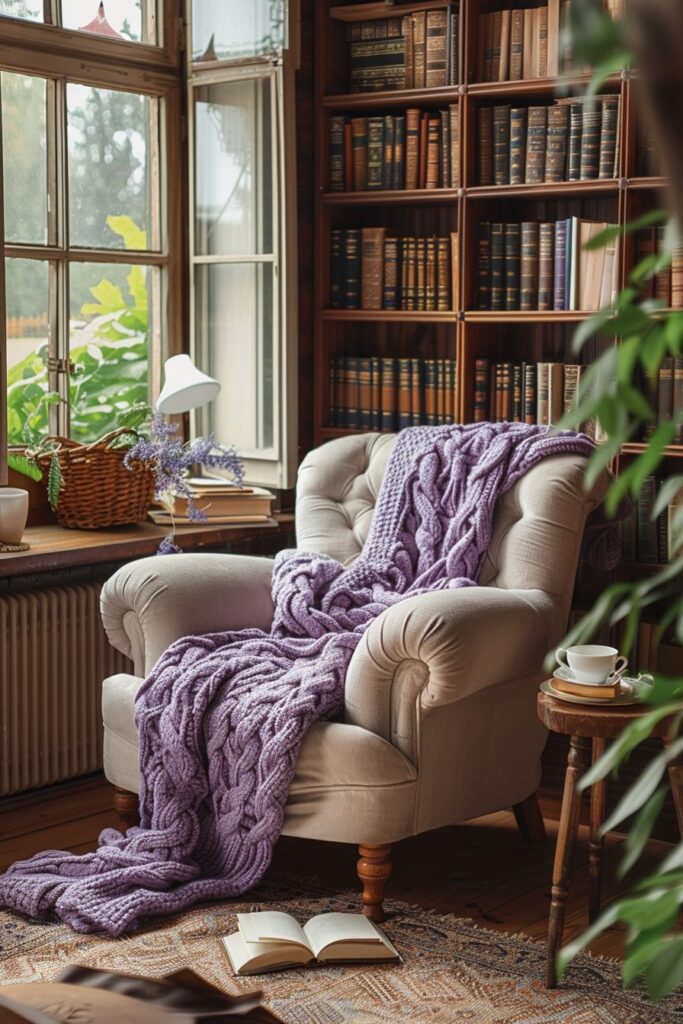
221	503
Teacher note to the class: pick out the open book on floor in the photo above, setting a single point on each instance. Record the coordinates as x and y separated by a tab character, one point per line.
271	941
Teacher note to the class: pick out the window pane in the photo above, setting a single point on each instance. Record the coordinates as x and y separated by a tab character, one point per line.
109	338
117	19
24	157
234	168
27	283
234	330
111	151
237	28
32	10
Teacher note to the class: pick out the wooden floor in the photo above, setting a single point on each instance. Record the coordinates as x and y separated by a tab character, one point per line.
481	870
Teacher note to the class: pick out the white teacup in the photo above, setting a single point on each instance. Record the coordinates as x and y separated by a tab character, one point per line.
13	514
592	663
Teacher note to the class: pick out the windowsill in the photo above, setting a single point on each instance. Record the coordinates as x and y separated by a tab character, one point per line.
54	547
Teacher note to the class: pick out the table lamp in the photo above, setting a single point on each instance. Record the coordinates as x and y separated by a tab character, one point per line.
185	387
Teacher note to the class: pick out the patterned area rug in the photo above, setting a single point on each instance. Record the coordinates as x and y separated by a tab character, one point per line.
453	971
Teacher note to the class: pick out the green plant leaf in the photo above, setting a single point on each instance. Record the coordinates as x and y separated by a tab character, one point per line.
641	830
643	788
606	920
20	464
665	971
668	489
630	738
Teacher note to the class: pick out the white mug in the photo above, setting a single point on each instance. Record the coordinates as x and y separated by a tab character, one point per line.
13	514
592	663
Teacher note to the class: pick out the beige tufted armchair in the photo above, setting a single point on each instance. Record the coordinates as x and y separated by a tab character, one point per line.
439	723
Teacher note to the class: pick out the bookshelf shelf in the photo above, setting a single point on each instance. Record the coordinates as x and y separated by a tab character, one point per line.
547	188
365	12
533	316
647	183
638	447
532	86
389	315
393	98
426	196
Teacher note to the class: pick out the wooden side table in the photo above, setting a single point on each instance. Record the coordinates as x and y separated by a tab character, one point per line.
589	728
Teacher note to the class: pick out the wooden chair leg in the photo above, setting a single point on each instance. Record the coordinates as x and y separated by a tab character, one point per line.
127	806
530	820
595	842
374	867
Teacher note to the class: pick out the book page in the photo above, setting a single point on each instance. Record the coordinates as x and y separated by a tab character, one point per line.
325	929
257	957
272	926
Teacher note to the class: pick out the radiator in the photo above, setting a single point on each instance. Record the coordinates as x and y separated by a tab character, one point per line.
54	655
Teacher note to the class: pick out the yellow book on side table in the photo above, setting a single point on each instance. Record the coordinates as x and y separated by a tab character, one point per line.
590	691
272	941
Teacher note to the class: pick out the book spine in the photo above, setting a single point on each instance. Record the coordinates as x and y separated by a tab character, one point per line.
348	157
542	44
678	398
488	48
388	152
398	169
608	138
571	383
430	392
423	151
512	265
517	145
647	529
364	394
529	265
375	393
404	394
484	266
352	268
445	150
455	273
663	278
516	44
389	397
542	382
443	299
419	49
430	274
421	273
560	261
336	269
677	276
408	294
516	414
501	144
454	134
530	400
391	273
665	390
546	247
481	390
334	418
337	125
454	47
372	280
435	51
485	145
557	139
407	29
535	146
359	140
497	267
351	396
496	40
416	392
433	153
575	135
375	154
590	142
504	57
412	147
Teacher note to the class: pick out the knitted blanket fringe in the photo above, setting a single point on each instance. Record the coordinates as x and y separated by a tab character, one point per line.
221	718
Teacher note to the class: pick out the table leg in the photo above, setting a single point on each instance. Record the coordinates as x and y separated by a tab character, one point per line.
676	782
595	842
577	763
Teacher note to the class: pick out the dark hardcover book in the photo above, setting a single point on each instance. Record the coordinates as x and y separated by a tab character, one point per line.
419	49
337	125
420	273
359	140
409	278
388	152
485	146
389	404
663	278
392	273
529	265
662	524
516	44
337	297
375	128
436	75
430	384
512	265
377	64
398	169
496	42
453	47
665	390
677	276
517	145
407	32
535	145
375	393
484	266
372	267
507	387
678	397
352	264
529	394
433	153
412	148
335	398
416	392
517	393
575	136
608	138
546	249
497	267
557	142
647	528
560	271
430	274
481	390
443	292
364	394
501	144
590	142
351	397
404	394
423	150
348	157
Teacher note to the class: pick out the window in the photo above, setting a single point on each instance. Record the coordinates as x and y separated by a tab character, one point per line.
90	158
242	227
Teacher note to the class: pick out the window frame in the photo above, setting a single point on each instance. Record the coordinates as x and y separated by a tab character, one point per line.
63	55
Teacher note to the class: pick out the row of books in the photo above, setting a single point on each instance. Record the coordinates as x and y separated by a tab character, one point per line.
371	270
217	501
416	51
545	266
647	539
389	394
537	393
525	43
573	140
667	285
665	394
414	150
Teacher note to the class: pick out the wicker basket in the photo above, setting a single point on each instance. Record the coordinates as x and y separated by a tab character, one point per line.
98	490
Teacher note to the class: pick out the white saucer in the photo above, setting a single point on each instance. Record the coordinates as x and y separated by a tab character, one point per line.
630	692
562	672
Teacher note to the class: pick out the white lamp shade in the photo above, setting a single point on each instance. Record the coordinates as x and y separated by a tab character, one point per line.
185	387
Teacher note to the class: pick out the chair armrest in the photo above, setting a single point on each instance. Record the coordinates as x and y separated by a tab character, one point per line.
438	648
148	604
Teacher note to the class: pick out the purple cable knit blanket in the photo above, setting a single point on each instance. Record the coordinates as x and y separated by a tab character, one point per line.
221	718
